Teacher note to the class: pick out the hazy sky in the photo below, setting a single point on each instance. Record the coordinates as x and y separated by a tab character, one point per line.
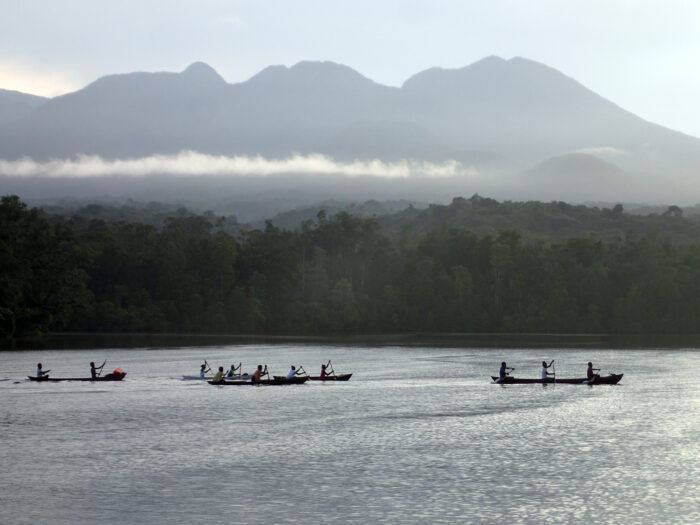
641	54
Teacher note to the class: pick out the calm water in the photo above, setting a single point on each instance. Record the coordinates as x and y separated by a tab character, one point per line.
418	435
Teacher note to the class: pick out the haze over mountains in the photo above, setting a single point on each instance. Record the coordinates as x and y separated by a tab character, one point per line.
519	129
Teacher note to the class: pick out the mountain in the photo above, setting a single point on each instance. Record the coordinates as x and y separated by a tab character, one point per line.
120	115
499	116
15	105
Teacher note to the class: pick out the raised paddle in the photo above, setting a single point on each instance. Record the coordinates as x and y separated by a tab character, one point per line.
102	368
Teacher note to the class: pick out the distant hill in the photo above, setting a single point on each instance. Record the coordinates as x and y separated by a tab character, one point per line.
15	105
584	175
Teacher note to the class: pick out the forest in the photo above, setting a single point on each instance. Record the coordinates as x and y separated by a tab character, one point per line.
528	270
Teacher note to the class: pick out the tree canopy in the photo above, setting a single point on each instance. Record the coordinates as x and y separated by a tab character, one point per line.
191	274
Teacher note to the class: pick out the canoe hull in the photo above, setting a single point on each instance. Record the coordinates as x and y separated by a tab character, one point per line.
611	379
339	377
244	377
274	381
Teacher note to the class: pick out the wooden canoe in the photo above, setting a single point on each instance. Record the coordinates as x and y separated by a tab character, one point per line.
338	377
113	376
274	381
611	379
243	377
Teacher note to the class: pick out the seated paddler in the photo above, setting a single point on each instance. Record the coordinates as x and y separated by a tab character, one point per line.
219	376
504	371
591	372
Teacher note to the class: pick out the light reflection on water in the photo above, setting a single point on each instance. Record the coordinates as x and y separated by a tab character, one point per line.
417	435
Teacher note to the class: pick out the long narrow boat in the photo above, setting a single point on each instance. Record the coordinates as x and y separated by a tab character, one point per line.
278	380
334	377
338	377
241	377
611	379
112	376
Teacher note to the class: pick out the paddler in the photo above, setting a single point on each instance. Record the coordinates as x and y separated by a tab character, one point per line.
504	371
293	371
40	373
203	370
94	369
257	376
232	370
219	376
324	371
591	372
545	374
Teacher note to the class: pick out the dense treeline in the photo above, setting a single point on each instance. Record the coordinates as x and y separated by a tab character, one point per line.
554	221
332	275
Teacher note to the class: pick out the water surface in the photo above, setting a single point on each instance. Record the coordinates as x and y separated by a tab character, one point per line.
418	435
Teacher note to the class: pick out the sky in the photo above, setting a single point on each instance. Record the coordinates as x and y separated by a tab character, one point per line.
642	55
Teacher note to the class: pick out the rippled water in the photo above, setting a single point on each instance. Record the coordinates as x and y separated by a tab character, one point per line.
418	435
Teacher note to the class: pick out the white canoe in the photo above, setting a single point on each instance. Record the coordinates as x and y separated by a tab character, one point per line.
241	377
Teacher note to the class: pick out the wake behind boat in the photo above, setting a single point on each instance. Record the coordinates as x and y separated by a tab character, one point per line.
611	379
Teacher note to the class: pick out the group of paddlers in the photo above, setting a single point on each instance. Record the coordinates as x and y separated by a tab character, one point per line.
591	373
95	371
235	372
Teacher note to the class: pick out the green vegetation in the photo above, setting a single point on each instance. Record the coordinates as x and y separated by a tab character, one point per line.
416	270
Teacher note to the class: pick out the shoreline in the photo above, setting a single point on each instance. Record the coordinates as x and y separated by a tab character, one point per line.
60	341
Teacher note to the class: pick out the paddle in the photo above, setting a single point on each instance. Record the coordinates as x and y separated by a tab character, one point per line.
101	368
331	365
554	372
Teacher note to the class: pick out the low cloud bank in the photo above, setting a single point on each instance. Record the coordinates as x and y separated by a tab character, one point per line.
192	163
603	151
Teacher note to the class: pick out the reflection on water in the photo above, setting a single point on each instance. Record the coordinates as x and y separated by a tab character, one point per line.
418	435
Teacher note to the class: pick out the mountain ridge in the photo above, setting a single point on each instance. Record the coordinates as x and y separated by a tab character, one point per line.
509	114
